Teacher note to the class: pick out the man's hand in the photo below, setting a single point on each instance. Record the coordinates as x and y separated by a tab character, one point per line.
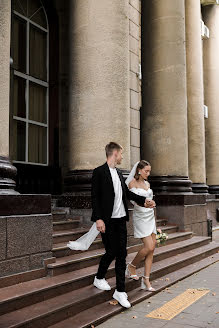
149	203
100	226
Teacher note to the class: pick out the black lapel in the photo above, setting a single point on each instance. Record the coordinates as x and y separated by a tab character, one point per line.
108	175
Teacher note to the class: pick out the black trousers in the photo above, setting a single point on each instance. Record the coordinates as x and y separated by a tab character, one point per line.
115	241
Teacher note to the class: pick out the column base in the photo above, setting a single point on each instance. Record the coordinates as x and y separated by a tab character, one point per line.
77	189
78	181
169	183
213	189
187	210
8	174
200	188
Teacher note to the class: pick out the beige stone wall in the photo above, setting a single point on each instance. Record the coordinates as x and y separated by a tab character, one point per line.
5	25
134	82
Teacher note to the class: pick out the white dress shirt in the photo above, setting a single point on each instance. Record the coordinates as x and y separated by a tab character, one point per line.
118	208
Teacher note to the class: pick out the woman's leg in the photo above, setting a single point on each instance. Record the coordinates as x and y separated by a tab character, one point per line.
149	259
148	245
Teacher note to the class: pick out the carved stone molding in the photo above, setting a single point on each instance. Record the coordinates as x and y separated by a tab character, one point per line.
200	188
169	183
213	189
8	174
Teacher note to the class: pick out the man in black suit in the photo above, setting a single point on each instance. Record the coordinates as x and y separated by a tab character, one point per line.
110	211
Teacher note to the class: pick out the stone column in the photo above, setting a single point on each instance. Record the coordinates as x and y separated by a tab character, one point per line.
99	85
164	108
7	171
195	96
211	82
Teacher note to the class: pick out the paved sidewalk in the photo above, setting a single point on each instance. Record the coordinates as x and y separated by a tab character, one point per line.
204	313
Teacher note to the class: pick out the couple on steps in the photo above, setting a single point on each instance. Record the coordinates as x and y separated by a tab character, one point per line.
110	212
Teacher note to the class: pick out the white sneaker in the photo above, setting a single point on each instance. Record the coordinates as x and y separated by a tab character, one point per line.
101	284
122	298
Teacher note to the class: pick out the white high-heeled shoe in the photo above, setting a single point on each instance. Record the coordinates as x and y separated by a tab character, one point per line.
143	285
128	273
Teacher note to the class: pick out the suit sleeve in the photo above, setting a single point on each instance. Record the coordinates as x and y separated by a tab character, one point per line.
95	196
140	200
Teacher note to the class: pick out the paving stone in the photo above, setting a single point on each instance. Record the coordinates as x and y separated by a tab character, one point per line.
201	314
178	325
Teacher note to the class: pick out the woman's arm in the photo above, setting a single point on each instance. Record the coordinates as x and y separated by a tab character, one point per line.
140	200
149	203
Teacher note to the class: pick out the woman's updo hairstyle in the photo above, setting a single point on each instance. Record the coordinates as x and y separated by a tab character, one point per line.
140	166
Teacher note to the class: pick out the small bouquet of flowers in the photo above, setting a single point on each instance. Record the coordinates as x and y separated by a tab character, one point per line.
161	237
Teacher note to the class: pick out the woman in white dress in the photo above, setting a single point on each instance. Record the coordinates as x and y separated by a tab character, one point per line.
143	222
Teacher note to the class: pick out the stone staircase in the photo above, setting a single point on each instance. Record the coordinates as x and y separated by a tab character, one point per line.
66	298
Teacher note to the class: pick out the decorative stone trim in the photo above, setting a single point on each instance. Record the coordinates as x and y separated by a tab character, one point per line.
8	174
200	188
168	184
214	189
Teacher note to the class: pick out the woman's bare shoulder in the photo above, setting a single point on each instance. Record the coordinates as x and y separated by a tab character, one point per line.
132	183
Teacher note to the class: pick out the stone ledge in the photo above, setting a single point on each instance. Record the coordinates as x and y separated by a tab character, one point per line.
25	204
172	199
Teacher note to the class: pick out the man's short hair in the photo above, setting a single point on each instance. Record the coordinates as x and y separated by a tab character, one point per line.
110	147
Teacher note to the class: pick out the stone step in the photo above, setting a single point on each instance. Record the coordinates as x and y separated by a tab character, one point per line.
62	213
89	258
60	236
67	224
59	215
81	260
161	222
62	209
168	228
27	293
22	277
58	308
61	249
172	238
101	312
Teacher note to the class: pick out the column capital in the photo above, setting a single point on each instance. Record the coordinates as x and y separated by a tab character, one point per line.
209	2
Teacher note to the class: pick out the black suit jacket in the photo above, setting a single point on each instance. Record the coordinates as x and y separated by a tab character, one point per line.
102	193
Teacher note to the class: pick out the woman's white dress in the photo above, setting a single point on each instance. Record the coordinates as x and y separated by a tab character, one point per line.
143	218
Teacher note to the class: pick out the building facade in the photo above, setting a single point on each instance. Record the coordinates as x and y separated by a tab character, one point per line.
77	74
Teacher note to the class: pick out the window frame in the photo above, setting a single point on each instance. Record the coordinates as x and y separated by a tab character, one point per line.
28	78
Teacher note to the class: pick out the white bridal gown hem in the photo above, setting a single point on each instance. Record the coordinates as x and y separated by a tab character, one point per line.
143	218
84	242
